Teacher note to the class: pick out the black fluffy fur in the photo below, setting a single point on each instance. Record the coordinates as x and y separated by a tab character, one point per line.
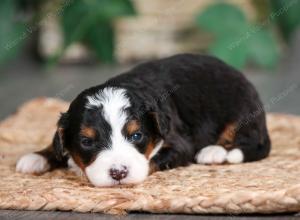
187	100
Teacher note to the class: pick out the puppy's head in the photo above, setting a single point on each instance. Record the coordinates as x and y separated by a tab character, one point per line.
111	135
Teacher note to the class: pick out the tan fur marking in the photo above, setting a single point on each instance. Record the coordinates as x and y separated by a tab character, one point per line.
149	149
78	161
227	137
88	132
132	126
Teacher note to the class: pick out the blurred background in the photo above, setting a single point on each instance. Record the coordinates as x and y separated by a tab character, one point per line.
59	47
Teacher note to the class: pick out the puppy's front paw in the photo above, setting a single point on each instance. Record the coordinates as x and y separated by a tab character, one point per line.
213	154
32	163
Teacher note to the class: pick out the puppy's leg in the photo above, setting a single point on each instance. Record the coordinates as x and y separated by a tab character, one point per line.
32	163
242	144
39	162
44	160
175	152
255	144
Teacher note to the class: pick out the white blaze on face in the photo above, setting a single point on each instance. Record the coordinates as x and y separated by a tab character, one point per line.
121	153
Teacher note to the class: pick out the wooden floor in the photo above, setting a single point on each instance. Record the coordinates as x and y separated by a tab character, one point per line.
42	215
23	79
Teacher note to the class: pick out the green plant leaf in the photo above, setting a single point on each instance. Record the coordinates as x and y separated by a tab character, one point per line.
82	15
75	22
286	13
235	39
90	20
101	41
221	18
13	34
110	9
263	49
235	56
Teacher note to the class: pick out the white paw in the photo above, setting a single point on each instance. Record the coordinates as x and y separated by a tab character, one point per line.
213	154
235	156
32	163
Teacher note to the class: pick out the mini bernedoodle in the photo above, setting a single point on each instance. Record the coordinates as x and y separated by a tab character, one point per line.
160	115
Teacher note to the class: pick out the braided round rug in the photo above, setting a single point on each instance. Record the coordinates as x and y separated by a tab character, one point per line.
268	186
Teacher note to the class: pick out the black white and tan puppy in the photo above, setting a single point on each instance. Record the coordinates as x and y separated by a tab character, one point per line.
160	115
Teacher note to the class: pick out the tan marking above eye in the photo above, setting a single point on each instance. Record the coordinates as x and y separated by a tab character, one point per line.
227	137
88	132
132	127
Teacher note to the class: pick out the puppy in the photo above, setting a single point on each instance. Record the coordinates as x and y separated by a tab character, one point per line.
160	115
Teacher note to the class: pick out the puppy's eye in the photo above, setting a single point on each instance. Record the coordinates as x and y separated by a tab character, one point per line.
87	142
136	136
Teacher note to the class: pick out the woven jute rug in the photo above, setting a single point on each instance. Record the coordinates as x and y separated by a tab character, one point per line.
269	186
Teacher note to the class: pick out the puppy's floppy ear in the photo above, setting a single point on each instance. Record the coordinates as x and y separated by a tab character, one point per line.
157	112
161	121
58	139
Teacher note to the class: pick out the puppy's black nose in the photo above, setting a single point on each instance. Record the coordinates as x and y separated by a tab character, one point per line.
118	173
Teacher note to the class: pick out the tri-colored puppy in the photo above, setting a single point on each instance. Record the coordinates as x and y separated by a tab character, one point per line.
160	115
